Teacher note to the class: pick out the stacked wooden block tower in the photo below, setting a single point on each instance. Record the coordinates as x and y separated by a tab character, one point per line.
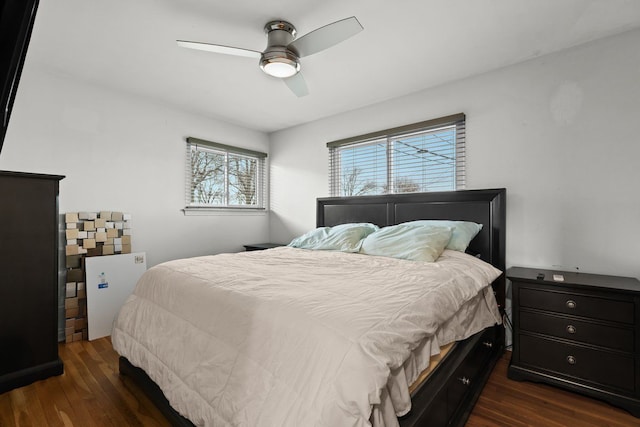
89	234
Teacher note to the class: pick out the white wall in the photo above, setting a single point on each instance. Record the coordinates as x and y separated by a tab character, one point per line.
124	153
559	132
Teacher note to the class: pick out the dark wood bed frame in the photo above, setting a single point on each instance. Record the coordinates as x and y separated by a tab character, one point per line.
450	392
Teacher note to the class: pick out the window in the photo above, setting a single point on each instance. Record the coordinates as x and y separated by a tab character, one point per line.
426	156
222	176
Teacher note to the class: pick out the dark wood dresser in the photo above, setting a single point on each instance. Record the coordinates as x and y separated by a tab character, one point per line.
581	333
28	278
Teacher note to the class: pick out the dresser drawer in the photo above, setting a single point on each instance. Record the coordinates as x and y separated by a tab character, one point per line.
600	367
467	373
578	330
577	305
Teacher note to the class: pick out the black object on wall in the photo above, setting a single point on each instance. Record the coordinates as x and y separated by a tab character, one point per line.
16	22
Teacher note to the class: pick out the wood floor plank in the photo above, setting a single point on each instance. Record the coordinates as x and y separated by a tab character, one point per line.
107	396
101	409
77	391
7	417
91	393
128	416
28	408
60	411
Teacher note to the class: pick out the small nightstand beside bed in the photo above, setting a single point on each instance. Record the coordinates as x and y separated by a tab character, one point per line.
578	331
261	246
290	336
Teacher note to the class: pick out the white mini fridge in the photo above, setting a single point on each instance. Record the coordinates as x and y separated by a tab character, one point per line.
110	280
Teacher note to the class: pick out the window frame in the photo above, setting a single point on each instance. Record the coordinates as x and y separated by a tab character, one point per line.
227	151
390	137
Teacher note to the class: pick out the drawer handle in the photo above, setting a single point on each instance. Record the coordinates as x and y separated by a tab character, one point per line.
571	304
571	329
487	344
464	380
571	360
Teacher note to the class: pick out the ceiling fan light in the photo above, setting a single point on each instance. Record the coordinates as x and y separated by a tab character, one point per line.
280	67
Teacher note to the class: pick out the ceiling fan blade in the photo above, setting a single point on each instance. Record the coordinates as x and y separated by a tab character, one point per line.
218	48
297	84
327	36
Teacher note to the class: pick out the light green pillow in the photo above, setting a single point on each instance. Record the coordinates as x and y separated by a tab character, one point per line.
412	242
463	231
343	237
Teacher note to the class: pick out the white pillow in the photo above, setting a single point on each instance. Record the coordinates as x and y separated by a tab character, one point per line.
463	231
408	241
343	237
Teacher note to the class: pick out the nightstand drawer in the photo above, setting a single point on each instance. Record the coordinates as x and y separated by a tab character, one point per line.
600	367
577	330
577	305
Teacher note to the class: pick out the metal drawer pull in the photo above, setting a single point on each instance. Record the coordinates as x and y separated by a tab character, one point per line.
571	360
571	304
487	344
464	380
571	329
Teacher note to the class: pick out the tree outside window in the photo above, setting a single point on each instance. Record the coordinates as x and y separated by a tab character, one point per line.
427	156
219	177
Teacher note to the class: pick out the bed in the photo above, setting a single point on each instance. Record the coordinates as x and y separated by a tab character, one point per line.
445	397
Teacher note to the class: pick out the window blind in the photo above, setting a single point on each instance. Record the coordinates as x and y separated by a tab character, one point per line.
425	156
224	176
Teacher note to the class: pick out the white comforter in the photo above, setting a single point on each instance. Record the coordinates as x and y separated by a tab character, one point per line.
291	337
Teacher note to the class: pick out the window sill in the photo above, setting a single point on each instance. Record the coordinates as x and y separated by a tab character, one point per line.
225	211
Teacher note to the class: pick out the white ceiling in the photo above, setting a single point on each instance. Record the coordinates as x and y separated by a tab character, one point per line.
406	46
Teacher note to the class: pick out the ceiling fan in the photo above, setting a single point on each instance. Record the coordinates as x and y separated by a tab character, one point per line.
281	57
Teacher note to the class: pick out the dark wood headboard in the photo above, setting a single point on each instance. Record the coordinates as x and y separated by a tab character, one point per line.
486	207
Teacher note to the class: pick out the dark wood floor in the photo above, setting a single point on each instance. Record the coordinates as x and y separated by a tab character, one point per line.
92	393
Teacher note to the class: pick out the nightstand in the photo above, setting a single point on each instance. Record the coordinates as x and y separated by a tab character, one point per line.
262	246
580	332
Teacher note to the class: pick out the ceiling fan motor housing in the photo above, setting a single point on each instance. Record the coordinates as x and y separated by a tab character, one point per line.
277	54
